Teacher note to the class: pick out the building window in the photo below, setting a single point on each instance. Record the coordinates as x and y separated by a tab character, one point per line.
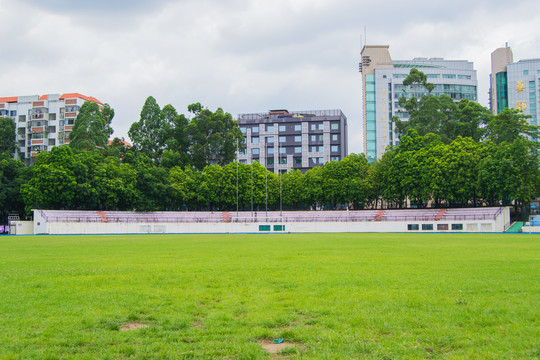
270	161
427	227
334	148
282	150
270	139
467	77
449	76
243	129
334	158
433	76
283	160
270	128
264	227
254	140
321	126
525	72
413	227
298	150
314	149
298	138
13	113
297	161
297	127
279	227
334	137
270	150
334	126
282	128
442	226
282	139
52	117
321	160
313	161
457	226
255	129
255	151
22	118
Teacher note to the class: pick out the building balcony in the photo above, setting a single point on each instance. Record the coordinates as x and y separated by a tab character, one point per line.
37	141
37	129
39	104
68	127
70	115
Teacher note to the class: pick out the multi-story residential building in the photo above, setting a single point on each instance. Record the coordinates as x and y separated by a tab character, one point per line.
42	122
515	84
281	140
382	86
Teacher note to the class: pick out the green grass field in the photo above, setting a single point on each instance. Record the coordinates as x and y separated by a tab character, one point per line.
331	296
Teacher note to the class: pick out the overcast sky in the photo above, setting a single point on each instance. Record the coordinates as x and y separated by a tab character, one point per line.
243	55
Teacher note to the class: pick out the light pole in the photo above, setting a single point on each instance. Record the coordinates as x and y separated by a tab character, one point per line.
238	145
252	217
266	175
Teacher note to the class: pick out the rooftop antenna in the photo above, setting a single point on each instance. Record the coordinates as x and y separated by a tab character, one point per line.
365	35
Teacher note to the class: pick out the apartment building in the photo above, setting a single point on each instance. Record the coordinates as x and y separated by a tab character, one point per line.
42	122
281	140
382	86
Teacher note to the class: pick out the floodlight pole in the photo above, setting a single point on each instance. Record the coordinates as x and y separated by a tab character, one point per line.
252	217
280	193
266	175
237	152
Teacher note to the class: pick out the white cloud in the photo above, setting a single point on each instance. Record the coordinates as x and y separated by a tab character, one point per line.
242	55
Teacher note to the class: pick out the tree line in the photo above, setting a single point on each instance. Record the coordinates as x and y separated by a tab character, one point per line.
449	155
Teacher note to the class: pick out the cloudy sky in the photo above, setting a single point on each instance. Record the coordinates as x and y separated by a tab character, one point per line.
243	55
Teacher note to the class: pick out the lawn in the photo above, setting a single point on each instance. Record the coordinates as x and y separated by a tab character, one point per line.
330	296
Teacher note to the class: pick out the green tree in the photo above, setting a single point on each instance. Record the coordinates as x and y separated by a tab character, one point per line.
11	178
509	125
7	135
176	140
214	137
344	182
149	133
92	127
312	182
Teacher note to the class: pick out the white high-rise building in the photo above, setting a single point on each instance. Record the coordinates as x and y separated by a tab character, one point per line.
515	85
382	86
42	122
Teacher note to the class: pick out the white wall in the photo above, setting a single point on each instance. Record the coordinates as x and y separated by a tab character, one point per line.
17	227
293	227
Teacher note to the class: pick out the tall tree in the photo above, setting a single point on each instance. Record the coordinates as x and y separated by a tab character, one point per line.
7	135
148	134
11	177
92	127
214	136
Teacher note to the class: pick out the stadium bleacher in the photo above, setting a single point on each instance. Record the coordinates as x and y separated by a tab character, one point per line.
479	213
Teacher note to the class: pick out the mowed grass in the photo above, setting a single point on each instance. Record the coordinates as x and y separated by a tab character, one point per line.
334	296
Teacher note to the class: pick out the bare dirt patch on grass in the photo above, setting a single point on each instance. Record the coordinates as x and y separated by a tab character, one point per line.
133	326
272	348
